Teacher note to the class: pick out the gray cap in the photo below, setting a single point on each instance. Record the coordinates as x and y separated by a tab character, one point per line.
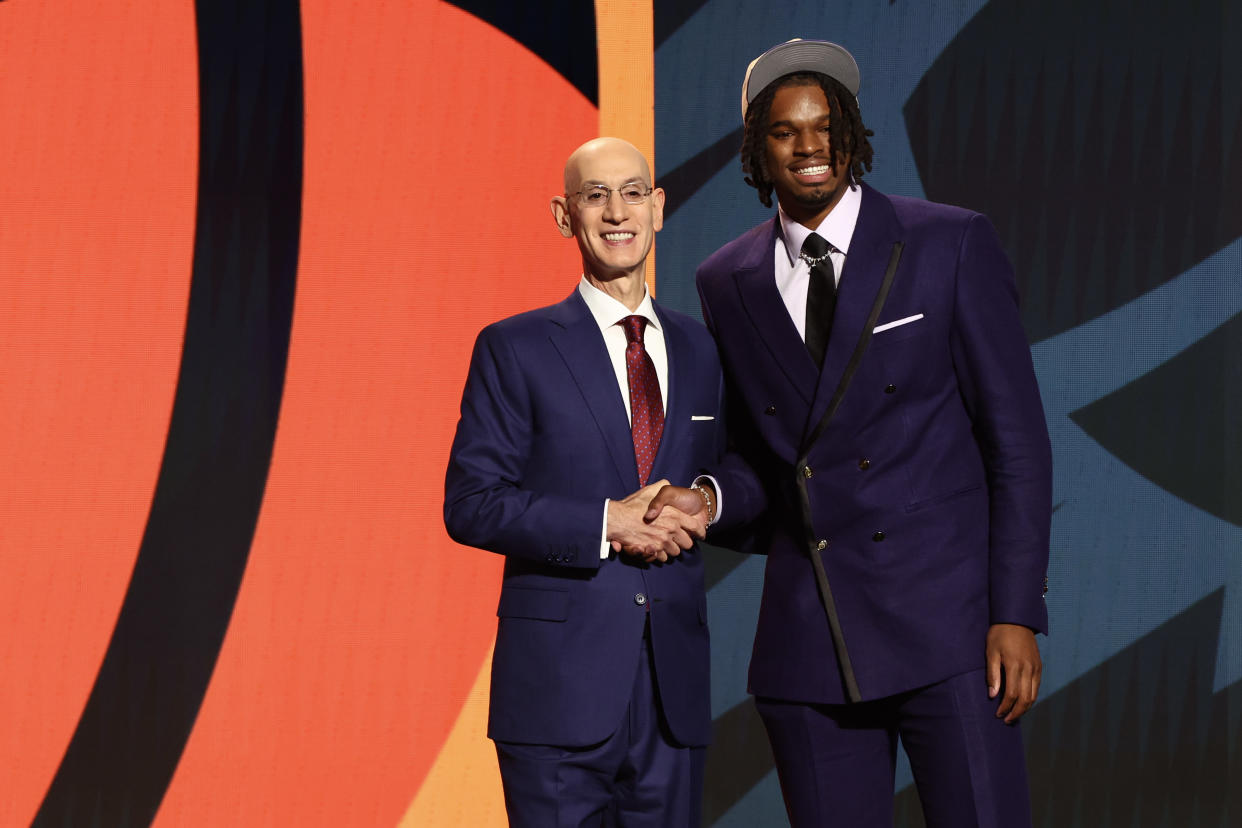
799	55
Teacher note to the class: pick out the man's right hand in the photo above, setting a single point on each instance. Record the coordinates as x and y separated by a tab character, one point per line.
680	498
654	540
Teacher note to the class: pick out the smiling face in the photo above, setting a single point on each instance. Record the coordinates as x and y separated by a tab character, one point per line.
614	238
806	180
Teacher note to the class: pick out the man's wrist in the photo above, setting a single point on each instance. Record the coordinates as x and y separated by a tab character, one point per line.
709	502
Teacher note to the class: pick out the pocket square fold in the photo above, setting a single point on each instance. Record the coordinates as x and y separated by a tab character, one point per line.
897	323
694	417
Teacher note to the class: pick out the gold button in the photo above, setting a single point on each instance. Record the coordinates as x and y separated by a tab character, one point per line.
864	464
821	546
806	472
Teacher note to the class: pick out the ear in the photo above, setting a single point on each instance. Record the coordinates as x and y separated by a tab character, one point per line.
560	212
657	209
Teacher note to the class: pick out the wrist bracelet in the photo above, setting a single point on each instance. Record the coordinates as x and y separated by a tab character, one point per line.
707	501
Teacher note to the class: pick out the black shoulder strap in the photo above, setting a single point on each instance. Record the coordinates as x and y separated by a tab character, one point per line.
813	548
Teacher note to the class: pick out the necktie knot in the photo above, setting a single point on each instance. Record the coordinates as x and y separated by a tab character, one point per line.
634	327
814	249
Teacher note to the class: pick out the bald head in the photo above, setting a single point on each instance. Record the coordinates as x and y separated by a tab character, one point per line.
616	221
596	157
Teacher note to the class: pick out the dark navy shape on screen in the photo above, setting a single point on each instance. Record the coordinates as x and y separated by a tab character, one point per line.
560	32
1146	424
1141	739
668	15
739	768
685	180
1103	159
163	650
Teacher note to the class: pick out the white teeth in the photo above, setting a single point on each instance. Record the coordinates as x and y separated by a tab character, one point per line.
819	170
618	236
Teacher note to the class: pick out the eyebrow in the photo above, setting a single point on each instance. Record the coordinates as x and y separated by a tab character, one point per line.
790	124
638	179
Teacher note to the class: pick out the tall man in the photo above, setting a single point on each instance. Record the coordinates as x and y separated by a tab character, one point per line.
892	459
599	701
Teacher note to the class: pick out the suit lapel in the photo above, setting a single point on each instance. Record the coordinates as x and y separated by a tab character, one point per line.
870	249
676	405
580	344
756	282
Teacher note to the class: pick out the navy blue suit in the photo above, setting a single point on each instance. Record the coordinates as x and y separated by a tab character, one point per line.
542	441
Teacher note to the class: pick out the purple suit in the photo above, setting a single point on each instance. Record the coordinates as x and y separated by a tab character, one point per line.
542	441
931	485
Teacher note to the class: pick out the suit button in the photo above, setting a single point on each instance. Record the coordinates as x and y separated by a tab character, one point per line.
770	410
807	473
877	537
821	546
890	389
640	599
864	464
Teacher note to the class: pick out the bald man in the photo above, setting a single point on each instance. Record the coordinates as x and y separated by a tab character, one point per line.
572	417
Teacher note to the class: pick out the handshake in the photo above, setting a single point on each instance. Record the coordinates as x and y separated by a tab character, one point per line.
657	522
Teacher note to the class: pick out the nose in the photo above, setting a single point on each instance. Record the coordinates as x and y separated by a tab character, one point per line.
614	207
808	142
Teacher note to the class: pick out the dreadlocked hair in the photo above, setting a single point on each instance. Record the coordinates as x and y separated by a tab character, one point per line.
846	133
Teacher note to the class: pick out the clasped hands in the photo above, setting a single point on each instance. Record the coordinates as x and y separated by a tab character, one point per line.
654	534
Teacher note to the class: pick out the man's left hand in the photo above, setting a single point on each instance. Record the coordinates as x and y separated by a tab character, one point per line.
1014	664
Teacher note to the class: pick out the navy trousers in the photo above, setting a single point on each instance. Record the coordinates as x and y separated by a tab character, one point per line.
636	778
836	763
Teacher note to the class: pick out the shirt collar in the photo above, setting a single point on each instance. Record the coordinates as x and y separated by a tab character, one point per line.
837	228
608	311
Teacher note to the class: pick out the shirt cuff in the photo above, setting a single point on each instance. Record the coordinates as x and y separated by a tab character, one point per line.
604	546
707	478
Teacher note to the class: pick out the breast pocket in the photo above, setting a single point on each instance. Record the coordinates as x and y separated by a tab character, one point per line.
900	329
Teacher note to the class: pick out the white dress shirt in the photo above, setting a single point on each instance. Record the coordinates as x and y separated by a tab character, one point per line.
793	274
608	313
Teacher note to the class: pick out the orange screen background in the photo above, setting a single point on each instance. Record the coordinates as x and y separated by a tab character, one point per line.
351	686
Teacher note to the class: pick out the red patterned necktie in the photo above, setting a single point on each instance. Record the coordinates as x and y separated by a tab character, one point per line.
646	408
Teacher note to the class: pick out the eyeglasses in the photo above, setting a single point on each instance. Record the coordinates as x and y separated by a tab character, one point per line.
597	195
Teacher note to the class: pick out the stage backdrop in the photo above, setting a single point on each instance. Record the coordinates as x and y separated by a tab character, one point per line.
245	248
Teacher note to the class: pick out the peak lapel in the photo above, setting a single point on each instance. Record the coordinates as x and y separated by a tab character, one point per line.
676	414
870	249
756	282
581	346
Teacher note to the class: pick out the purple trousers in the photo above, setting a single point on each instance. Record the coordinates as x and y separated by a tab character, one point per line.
836	763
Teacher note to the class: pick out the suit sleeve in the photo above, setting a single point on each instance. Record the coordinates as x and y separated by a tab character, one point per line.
485	502
992	361
742	524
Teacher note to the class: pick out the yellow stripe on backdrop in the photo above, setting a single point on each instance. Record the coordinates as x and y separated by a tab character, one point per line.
626	38
463	787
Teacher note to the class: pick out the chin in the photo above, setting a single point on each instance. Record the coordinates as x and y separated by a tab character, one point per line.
815	198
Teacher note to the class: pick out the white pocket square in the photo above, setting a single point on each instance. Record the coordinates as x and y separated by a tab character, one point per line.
694	417
896	323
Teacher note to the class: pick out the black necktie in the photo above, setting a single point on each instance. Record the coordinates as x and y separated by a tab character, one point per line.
821	296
